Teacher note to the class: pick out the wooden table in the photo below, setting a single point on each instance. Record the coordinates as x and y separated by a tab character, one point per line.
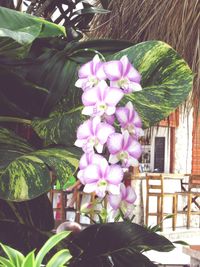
176	176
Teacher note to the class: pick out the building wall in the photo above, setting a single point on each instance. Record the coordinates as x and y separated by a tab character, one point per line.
183	143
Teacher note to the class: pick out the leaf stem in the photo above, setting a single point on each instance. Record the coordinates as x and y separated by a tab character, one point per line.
14	119
90	50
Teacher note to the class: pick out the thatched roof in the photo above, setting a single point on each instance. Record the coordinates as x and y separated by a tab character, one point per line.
176	22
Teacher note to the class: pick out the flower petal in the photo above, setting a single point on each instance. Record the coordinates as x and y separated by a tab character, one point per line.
80	83
90	96
133	75
84	130
89	188
134	87
91	174
109	119
137	120
126	139
103	165
131	195
86	70
123	191
101	191
103	131
80	176
80	143
115	143
122	115
134	149
99	71
113	189
114	201
89	110
115	174
113	70
95	122
110	110
113	96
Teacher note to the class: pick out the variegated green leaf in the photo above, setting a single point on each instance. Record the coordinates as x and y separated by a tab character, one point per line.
60	128
11	146
166	80
18	30
28	176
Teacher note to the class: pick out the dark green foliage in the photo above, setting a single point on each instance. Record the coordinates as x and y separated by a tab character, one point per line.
120	243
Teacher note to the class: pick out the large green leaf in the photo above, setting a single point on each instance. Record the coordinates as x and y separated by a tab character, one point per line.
59	128
115	244
166	80
28	176
57	72
18	30
25	174
33	212
18	97
34	87
11	147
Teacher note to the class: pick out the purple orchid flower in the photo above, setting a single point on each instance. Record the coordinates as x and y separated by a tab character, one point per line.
126	197
102	177
123	75
101	100
123	147
129	120
85	160
90	74
93	133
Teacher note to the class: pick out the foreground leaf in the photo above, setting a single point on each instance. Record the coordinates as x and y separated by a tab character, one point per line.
60	258
119	243
26	238
50	243
29	260
18	97
16	257
33	212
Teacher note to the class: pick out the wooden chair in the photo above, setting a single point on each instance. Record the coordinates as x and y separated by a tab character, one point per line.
192	196
62	208
155	189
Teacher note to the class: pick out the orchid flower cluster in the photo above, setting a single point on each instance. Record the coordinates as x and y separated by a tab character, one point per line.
104	84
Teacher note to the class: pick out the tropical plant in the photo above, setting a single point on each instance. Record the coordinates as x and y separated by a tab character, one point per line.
116	244
74	15
17	259
38	70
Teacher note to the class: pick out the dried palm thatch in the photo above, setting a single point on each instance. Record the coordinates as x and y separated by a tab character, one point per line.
176	22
